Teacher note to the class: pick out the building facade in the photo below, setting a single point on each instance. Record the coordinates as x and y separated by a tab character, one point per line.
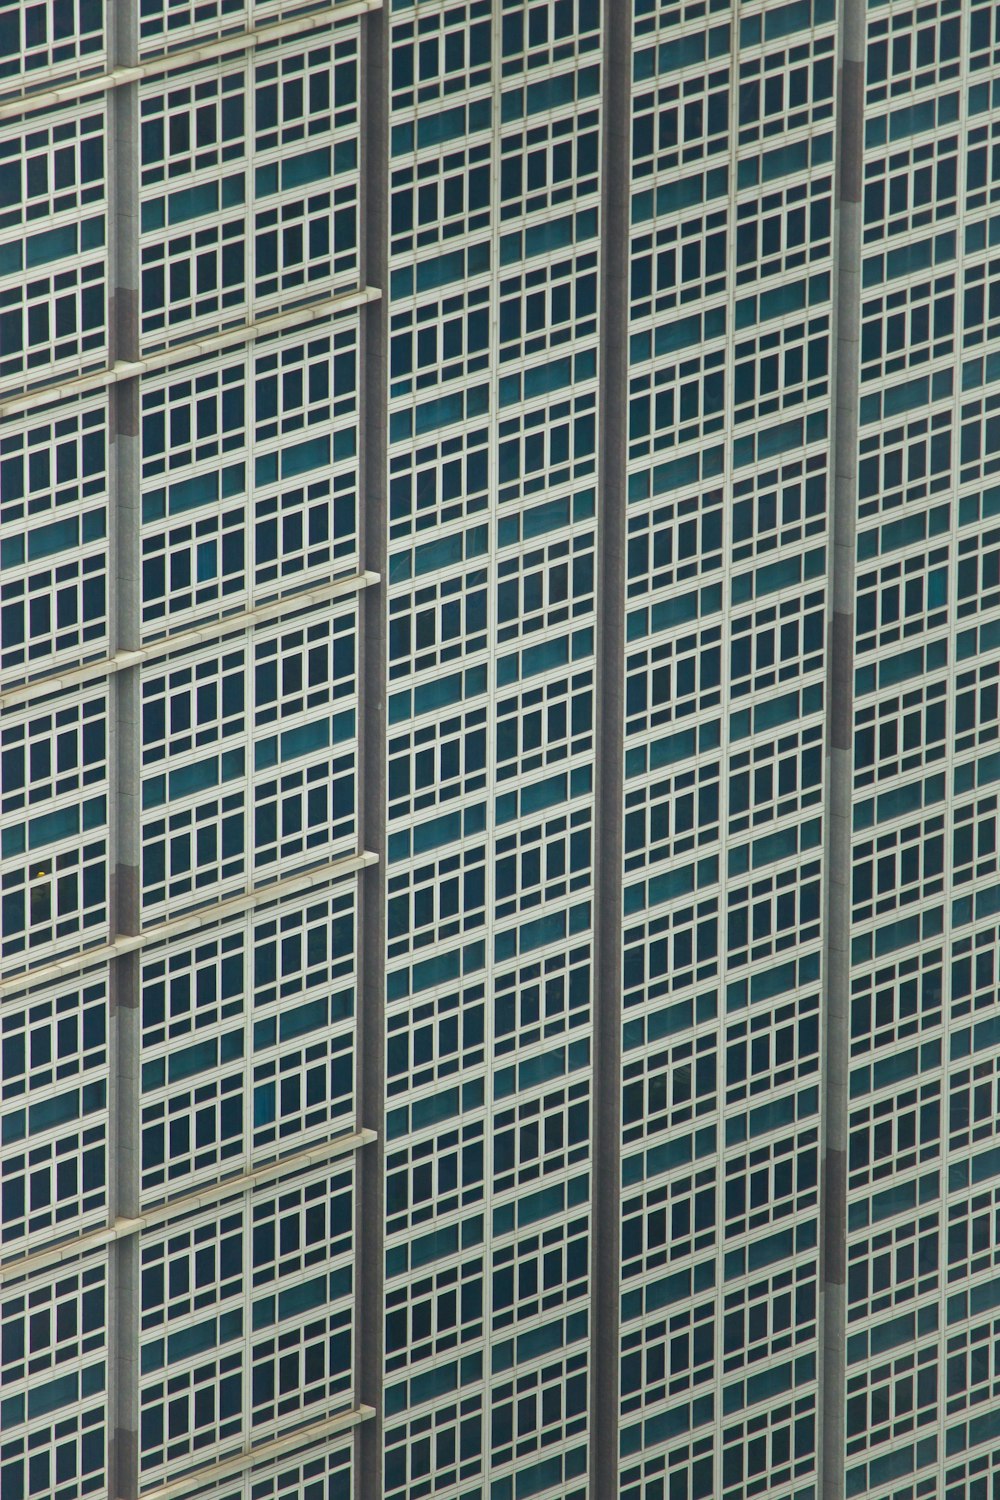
499	663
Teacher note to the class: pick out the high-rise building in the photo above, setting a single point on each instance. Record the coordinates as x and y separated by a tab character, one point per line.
499	749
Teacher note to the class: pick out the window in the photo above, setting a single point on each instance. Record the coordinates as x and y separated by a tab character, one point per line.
767	1318
890	1267
893	1135
53	1161
891	1399
897	1001
914	186
774	1048
775	778
786	89
540	1272
907	731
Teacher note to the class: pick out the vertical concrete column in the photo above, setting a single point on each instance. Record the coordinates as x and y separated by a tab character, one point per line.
609	712
124	615
370	1251
839	748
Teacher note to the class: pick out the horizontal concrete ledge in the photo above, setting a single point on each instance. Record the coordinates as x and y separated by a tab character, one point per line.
174	1208
186	57
205	916
162	359
275	609
260	1454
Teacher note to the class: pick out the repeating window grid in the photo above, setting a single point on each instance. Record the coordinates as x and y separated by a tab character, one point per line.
667	1357
546	996
670	1087
51	753
305	947
434	900
766	1318
689	1468
441	197
897	1001
777	911
972	1477
770	1182
909	325
539	1138
671	404
55	1424
785	89
546	586
444	56
198	799
782	640
682	259
437	761
908	460
773	508
775	779
547	303
434	1447
54	1133
433	1314
549	163
53	495
539	1409
672	541
682	115
894	1133
915	48
437	481
541	862
912	185
166	24
210	552
285	1069
784	229
781	367
772	1049
658	18
538	37
673	677
302	241
53	1320
895	1397
53	319
667	817
45	40
547	720
903	732
436	341
434	1039
435	1177
331	1469
536	1273
52	173
899	867
893	1266
972	1246
580	725
670	1218
769	1448
197	1302
975	972
669	950
904	597
54	893
439	621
